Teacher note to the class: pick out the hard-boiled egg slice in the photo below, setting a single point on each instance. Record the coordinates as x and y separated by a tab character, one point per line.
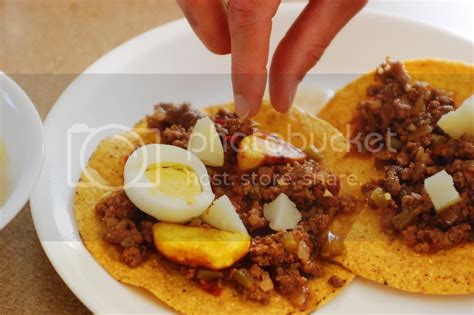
222	215
205	143
167	182
282	213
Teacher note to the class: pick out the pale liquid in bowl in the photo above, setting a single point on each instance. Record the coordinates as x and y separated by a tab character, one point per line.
3	173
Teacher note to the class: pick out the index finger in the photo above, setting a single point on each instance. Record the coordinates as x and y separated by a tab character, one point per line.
250	25
304	44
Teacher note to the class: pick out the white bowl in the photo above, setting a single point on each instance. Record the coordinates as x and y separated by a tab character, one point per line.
21	131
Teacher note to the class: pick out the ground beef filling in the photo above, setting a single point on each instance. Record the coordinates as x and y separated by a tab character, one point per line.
281	261
127	227
174	123
336	282
417	149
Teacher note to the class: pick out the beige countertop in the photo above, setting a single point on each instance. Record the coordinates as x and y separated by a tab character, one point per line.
44	44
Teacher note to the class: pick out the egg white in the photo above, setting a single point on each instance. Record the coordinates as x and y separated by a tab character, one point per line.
148	197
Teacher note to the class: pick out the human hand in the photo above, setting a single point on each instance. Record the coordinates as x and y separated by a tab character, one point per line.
243	28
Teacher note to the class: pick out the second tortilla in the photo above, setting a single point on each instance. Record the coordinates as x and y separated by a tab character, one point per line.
373	254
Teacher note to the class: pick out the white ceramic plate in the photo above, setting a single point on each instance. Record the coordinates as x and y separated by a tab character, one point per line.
169	64
21	140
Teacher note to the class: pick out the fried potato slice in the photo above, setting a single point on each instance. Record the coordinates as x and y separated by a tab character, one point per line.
261	148
198	246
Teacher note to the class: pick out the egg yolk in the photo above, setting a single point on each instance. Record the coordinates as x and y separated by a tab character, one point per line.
175	180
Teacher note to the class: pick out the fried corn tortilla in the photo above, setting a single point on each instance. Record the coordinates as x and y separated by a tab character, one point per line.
373	254
160	276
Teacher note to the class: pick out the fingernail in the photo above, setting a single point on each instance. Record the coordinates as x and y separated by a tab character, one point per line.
285	107
291	98
242	107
